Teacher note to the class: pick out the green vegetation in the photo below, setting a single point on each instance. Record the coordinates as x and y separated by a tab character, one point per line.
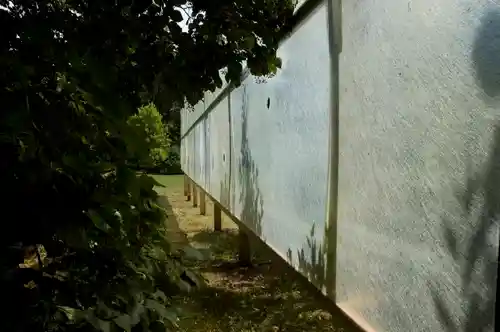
83	245
156	154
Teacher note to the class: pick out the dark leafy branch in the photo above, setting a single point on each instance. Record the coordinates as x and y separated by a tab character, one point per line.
72	73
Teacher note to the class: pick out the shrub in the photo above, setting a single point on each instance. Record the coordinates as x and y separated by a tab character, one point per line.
83	244
148	127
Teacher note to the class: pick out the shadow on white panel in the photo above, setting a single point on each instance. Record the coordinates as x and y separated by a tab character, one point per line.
280	150
418	195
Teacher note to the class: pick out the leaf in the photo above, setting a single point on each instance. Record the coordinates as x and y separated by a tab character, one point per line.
79	79
184	286
196	278
124	322
98	221
159	294
156	306
249	41
278	62
172	318
68	311
161	310
136	313
192	253
176	16
148	182
104	325
97	323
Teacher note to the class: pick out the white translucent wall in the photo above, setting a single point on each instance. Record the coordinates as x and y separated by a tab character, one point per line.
265	146
416	231
419	195
280	143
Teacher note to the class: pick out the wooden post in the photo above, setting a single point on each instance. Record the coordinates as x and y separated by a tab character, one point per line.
187	188
186	185
203	206
244	252
195	195
217	217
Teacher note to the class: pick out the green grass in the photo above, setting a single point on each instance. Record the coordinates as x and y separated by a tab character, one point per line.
170	182
176	181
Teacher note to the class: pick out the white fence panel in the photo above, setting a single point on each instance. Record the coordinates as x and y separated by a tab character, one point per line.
418	216
419	165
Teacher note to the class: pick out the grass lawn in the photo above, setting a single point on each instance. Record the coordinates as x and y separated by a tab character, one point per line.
265	297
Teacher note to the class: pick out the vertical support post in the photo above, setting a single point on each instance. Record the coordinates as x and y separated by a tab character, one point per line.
187	187
244	250
217	217
203	205
335	48
195	194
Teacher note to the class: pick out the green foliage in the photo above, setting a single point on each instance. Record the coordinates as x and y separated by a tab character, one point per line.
153	139
152	132
172	164
82	244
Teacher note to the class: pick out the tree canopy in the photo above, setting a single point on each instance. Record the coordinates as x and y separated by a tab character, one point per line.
151	130
82	241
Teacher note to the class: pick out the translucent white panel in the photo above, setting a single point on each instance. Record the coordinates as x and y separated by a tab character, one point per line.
185	147
183	121
183	156
199	108
200	154
218	122
418	213
205	182
191	155
280	148
194	113
196	157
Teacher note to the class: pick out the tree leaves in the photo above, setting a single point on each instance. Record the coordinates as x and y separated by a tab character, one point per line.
149	142
124	322
75	75
98	221
156	306
176	16
192	253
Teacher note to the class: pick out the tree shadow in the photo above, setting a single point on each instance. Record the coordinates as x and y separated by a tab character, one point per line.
315	261
480	202
181	247
224	250
250	195
222	245
225	193
263	301
312	260
176	235
476	255
486	53
270	296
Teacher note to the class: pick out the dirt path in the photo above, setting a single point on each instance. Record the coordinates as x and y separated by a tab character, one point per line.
266	297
